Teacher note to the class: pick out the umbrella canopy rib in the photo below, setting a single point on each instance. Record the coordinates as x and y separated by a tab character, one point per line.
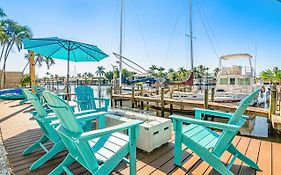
89	54
54	52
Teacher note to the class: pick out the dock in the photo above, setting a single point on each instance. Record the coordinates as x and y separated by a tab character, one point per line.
19	130
167	102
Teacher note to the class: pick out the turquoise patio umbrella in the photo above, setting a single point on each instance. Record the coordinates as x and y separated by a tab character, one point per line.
63	49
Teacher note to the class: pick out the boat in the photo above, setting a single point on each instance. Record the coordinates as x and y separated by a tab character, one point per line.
235	81
11	94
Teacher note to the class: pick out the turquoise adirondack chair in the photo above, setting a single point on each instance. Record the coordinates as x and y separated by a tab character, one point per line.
99	151
210	145
38	92
86	100
47	124
23	101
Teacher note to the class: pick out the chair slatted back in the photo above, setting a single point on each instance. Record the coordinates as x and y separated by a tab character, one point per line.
41	114
85	95
63	112
38	93
35	103
227	136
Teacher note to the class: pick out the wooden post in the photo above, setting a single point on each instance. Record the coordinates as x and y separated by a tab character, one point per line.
162	101
111	101
157	89
212	94
141	86
32	70
133	97
279	101
206	98
272	101
171	96
120	92
115	92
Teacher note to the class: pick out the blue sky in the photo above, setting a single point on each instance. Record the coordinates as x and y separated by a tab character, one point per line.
154	30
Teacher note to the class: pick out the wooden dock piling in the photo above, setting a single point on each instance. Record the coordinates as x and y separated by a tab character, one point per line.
212	94
171	97
110	93
133	97
206	94
272	101
162	101
141	93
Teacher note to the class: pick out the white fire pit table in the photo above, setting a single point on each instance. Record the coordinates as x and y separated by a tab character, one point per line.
154	132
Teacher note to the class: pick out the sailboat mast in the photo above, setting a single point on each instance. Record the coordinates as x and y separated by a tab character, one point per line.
191	34
121	43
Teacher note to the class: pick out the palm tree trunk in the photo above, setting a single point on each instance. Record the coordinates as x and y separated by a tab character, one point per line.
25	66
7	52
2	52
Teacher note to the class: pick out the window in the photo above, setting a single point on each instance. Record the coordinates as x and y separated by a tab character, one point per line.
223	81
232	81
241	81
247	81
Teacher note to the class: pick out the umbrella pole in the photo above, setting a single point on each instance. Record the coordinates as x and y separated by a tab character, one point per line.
67	79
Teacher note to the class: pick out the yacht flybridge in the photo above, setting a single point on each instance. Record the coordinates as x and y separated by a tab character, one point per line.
235	80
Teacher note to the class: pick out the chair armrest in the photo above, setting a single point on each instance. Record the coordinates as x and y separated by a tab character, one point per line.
102	99
84	112
50	118
228	115
101	132
55	123
90	116
79	101
106	101
209	124
199	112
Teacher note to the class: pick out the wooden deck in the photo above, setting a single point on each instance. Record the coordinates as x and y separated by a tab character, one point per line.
19	131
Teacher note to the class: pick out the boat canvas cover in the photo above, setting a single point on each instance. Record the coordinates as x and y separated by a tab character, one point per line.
236	56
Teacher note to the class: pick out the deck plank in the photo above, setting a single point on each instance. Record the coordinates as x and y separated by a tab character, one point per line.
252	153
264	159
276	155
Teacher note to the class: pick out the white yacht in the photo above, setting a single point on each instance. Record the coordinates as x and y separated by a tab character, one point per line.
236	81
232	83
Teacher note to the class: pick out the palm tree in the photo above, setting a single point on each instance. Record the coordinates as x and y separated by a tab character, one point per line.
171	70
216	72
14	35
115	74
25	81
182	73
173	76
127	74
273	75
100	72
109	76
40	60
153	67
2	32
2	13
